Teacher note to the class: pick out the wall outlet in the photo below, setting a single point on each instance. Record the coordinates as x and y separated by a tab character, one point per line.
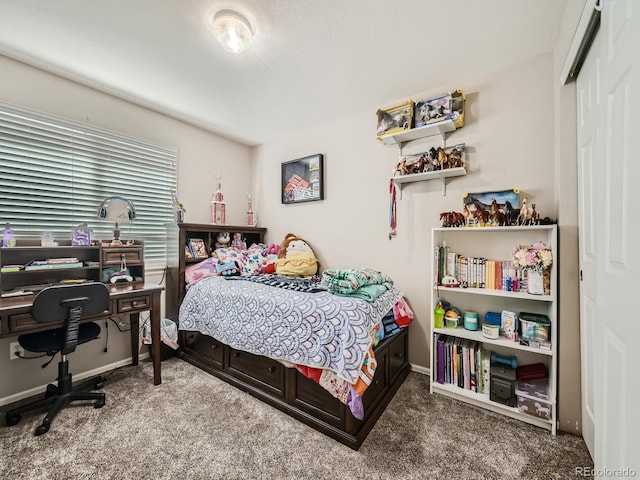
15	348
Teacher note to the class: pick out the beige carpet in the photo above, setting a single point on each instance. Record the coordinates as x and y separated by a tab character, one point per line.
195	426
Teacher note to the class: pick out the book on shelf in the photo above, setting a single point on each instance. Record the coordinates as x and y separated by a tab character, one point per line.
198	248
11	268
49	266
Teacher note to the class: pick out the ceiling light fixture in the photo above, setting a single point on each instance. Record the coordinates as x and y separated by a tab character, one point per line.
232	30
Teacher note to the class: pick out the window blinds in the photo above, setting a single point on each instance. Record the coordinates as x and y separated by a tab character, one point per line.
56	174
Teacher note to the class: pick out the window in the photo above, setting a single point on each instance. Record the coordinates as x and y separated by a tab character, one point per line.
56	174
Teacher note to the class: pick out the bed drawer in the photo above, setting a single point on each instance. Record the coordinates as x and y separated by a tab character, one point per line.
260	371
397	354
378	384
204	345
312	398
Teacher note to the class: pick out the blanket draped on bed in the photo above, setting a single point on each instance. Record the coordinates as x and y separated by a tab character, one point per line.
314	329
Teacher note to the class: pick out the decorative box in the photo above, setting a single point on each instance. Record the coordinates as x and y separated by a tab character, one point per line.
449	106
395	119
533	398
535	326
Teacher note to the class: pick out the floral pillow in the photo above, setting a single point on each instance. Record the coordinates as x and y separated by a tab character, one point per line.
256	259
231	255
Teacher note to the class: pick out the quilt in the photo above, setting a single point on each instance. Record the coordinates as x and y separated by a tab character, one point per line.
318	330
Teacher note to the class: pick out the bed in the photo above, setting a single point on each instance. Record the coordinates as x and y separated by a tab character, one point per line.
269	341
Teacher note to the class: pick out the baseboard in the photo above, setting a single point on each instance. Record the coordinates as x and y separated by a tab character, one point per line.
420	369
80	376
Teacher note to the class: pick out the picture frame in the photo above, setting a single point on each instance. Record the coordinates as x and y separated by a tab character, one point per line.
303	179
478	207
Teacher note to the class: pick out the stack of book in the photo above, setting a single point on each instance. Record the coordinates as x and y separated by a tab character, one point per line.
64	262
463	363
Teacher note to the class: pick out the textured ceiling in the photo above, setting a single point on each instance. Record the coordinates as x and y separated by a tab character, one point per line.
312	61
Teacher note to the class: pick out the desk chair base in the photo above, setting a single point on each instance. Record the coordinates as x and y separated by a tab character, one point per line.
59	396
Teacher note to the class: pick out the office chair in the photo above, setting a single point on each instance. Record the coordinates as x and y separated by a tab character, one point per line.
68	303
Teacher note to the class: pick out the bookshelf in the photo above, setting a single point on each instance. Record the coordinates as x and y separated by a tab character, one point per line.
496	243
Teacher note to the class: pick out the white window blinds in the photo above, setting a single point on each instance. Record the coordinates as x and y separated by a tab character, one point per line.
56	174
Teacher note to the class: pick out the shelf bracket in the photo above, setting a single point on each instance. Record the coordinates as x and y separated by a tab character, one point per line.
444	186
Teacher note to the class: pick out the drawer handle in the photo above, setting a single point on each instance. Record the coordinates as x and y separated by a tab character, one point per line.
134	304
236	354
398	355
214	346
272	369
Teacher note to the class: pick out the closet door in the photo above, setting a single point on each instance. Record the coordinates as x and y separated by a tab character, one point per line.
617	334
590	210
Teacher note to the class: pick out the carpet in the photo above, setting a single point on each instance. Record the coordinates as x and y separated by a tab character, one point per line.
194	426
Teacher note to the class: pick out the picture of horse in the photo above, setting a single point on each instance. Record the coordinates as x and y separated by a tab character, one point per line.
492	208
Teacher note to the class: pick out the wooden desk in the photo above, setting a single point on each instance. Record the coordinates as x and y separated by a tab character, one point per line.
16	319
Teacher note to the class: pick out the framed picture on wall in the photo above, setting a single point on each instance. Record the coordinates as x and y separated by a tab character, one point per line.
302	179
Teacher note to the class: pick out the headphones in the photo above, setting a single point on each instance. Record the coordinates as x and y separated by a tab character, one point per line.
103	211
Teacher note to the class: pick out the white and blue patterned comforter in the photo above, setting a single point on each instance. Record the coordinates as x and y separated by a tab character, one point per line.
319	330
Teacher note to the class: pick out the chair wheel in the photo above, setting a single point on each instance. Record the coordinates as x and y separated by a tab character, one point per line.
99	385
12	420
99	403
40	429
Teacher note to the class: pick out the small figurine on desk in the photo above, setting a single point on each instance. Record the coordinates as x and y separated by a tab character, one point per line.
7	236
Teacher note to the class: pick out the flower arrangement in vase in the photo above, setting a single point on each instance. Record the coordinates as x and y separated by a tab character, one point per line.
535	258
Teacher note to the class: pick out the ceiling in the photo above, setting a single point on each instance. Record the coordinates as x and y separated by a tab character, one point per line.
312	61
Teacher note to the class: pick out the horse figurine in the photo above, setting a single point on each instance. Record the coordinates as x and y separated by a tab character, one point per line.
418	166
525	215
496	215
481	214
466	213
401	168
511	213
535	216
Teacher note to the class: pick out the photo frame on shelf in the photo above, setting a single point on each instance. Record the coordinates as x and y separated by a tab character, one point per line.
303	179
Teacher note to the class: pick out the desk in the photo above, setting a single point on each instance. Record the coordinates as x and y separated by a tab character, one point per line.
16	319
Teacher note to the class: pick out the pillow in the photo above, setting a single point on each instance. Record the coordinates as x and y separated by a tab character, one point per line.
230	255
206	268
255	260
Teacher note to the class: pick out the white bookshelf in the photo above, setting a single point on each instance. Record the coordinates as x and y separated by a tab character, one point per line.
496	243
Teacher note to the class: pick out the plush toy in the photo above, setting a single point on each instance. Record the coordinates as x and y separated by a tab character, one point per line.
223	240
296	258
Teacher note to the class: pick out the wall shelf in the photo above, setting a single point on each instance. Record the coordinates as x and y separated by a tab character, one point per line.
434	129
437	174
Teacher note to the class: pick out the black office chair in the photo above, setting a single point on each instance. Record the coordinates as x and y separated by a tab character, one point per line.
68	303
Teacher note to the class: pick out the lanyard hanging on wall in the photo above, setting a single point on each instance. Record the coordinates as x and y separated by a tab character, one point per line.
392	209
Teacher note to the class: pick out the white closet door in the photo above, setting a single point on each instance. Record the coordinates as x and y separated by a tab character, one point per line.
590	210
617	334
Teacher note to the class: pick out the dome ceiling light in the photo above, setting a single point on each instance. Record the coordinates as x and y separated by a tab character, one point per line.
232	30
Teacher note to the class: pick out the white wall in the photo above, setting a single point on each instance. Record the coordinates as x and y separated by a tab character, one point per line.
200	155
509	133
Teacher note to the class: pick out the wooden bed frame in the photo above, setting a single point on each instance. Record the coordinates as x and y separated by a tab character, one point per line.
293	393
269	380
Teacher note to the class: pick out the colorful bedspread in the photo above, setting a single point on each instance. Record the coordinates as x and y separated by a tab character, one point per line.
318	330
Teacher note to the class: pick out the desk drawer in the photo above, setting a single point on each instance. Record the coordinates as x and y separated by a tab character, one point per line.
112	256
134	304
25	322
